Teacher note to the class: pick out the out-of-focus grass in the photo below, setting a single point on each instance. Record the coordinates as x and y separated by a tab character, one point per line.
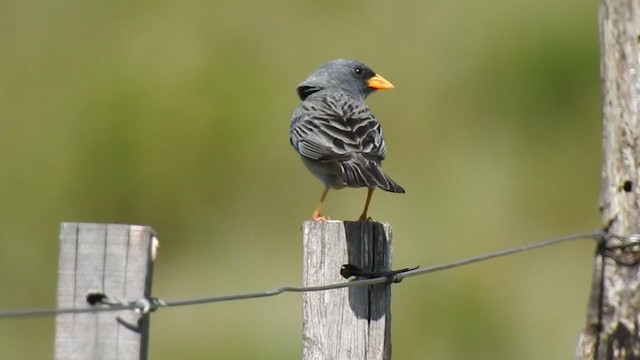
176	115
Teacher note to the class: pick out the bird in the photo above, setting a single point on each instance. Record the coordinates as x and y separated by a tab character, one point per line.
336	135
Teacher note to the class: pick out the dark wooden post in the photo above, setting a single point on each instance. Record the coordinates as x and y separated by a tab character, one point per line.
348	323
612	326
112	259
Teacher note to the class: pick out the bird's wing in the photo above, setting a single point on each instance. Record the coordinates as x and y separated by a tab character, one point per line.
336	127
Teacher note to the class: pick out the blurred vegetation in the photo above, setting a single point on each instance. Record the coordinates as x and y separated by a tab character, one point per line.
176	115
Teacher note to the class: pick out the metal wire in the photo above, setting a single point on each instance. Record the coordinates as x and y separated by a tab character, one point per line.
147	305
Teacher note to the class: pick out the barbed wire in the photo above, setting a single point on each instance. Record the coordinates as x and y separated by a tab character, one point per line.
147	305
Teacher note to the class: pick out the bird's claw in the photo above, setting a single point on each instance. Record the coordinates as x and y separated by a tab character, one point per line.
319	217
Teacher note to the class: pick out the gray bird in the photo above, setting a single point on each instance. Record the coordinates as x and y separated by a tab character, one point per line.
335	133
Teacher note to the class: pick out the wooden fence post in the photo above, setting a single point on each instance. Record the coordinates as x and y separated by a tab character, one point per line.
348	323
109	258
612	327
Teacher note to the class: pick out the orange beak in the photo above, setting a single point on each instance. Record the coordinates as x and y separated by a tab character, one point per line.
378	82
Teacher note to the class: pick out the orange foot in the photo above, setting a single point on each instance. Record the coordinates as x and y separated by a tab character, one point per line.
319	217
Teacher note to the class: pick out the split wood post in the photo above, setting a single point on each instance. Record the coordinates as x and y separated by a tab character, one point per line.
117	261
348	323
612	325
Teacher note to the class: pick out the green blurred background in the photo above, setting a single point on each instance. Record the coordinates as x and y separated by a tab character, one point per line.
176	115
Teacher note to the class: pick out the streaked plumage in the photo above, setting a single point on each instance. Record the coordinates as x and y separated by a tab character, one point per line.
339	139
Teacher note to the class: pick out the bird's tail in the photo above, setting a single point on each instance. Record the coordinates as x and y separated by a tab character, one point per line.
362	172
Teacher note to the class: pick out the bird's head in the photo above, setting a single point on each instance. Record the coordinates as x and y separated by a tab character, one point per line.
346	75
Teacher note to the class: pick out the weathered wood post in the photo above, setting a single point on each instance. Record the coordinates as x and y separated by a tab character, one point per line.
112	259
348	323
612	325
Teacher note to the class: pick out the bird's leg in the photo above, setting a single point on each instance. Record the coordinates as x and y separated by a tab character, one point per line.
316	213
364	217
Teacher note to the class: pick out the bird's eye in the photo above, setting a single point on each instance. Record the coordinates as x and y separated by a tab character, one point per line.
358	70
